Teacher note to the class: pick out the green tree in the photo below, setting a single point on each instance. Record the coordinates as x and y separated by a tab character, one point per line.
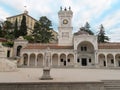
0	31
87	28
29	38
7	25
42	31
102	38
8	30
16	31
23	27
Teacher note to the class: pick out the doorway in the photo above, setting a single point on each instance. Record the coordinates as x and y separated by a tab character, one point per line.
84	61
8	53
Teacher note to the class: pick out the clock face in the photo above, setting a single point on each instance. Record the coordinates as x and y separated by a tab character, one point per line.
65	21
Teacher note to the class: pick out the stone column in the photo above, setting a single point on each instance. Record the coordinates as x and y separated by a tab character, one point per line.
51	60
28	60
43	59
96	59
66	61
35	60
58	60
114	61
75	58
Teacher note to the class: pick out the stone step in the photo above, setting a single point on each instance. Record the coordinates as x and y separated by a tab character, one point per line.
111	83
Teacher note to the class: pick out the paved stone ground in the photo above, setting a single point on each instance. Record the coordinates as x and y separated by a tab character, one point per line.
60	75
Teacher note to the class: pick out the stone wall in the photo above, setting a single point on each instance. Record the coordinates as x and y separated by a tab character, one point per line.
52	86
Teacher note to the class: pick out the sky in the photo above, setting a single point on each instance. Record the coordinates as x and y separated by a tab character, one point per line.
96	12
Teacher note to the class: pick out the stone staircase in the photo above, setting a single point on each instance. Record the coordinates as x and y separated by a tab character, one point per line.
111	84
5	64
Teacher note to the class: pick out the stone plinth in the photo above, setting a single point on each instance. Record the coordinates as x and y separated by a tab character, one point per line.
46	74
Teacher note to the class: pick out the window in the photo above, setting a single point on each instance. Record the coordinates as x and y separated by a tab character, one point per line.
84	48
112	61
81	48
89	60
61	60
65	34
68	60
78	60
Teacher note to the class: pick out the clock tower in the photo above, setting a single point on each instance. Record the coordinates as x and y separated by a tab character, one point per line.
65	27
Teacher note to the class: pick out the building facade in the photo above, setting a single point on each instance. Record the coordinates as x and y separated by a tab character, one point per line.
72	50
30	21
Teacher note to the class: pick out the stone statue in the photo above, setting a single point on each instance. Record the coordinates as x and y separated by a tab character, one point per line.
47	59
61	8
46	69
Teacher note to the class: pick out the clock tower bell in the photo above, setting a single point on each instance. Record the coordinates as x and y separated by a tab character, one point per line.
65	27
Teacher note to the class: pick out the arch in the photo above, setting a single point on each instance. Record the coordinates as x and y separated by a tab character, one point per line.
117	58
85	46
18	50
86	53
101	59
32	59
55	60
40	60
110	60
70	59
63	60
25	59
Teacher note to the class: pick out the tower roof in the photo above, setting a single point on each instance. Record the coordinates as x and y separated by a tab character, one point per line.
65	12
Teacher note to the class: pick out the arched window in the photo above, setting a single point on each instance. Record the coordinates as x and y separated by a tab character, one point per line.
18	50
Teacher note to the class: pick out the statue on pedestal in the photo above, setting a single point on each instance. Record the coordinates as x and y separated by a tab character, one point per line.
46	69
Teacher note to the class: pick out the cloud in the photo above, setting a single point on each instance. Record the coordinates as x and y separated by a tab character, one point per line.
3	14
83	10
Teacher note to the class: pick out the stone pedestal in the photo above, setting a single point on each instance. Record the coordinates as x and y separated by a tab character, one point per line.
46	74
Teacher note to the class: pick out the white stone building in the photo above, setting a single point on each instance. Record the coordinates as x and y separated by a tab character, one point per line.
72	50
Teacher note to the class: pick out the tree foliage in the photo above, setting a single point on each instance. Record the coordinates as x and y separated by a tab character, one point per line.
23	27
87	28
8	30
8	44
42	31
102	38
16	31
1	31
